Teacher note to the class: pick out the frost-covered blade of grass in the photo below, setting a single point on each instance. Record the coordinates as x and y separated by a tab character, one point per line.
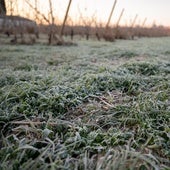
97	105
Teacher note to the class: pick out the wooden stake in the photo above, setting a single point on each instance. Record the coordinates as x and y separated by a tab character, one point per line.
117	24
144	22
65	18
133	23
108	22
51	13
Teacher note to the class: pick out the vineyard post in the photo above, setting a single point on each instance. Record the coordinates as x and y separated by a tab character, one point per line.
134	20
117	24
120	17
65	18
111	13
144	22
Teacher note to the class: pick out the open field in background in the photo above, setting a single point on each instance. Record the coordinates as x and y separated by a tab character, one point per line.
97	105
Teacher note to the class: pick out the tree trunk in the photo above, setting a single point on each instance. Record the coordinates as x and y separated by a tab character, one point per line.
2	7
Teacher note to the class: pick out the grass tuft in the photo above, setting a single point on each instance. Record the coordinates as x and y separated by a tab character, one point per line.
82	110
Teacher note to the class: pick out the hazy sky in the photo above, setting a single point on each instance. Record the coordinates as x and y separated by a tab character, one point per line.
154	10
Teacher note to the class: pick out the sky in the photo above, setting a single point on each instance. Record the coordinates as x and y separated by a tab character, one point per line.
156	11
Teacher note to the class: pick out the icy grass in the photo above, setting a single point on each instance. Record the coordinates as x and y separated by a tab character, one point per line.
97	105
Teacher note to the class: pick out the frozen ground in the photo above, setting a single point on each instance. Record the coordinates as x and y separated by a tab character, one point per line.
97	105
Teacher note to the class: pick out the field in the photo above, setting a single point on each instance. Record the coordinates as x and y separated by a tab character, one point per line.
95	105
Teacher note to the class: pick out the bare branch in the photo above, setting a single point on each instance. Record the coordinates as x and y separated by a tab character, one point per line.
38	12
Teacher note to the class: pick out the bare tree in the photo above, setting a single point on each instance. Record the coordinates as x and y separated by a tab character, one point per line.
52	31
87	23
2	7
52	37
36	8
11	7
